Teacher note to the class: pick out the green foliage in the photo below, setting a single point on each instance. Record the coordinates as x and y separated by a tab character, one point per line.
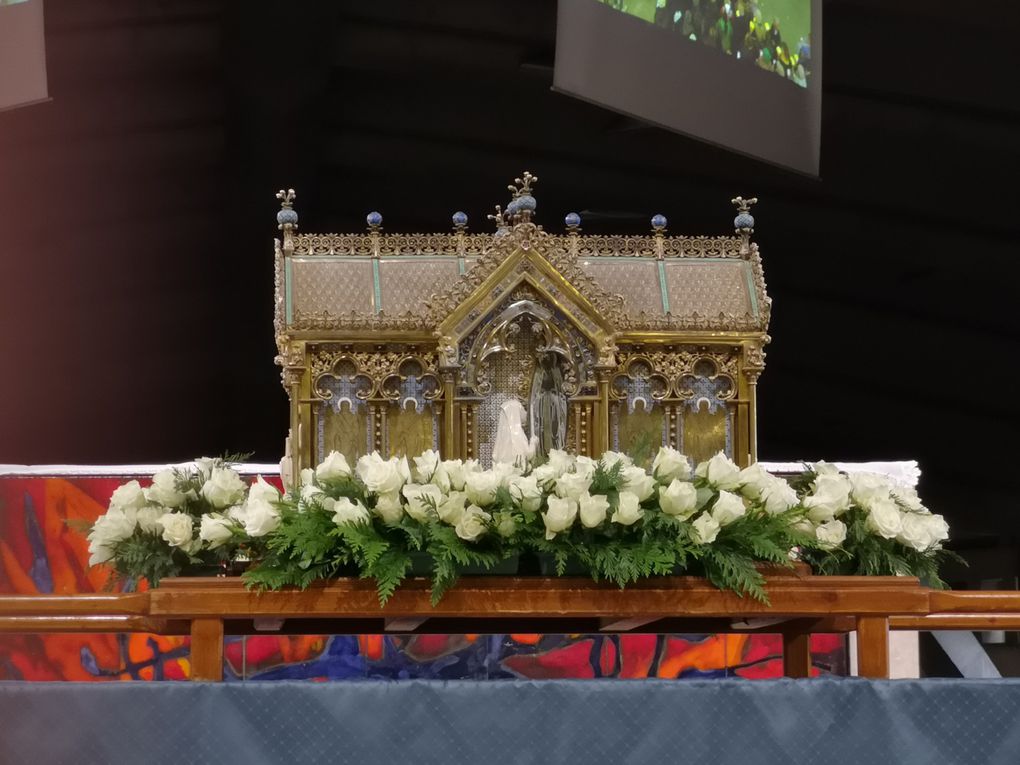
145	555
732	570
864	553
303	549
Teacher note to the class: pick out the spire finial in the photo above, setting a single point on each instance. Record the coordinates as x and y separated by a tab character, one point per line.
744	222
523	204
287	216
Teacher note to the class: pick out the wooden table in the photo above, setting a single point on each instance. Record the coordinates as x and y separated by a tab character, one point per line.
208	608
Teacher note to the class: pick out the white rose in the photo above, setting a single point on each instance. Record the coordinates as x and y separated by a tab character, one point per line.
148	519
938	529
345	511
472	523
637	481
422	500
907	497
481	487
585	466
670	465
163	490
778	496
592	508
312	494
451	508
428	468
260	518
261	489
380	476
754	479
704	529
403	468
333	467
388	507
99	553
455	471
728	508
572	485
831	534
525	490
505	472
803	526
560	515
506	526
204	466
112	527
824	468
884	518
560	461
425	465
868	488
216	530
611	458
223	488
680	498
720	472
829	498
922	530
115	525
628	509
545	475
307	476
178	529
128	496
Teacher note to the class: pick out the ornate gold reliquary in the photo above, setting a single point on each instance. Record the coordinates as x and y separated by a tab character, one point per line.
402	343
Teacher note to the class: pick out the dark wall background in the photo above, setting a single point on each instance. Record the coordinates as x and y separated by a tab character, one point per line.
137	217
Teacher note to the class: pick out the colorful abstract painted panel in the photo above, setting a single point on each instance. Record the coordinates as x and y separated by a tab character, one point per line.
39	553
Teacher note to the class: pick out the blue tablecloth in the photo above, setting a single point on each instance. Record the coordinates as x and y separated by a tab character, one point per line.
779	722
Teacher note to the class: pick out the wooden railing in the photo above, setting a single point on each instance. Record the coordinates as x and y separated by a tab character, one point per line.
800	605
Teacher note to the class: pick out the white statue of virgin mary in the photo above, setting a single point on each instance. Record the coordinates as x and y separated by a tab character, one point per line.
512	444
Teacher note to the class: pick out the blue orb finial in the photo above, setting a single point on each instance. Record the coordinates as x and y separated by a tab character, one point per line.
374	219
573	220
460	219
287	215
526	202
659	222
744	222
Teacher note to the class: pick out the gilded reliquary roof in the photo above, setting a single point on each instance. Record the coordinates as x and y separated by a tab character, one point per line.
414	281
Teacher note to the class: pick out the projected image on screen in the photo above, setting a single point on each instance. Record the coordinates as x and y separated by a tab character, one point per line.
774	35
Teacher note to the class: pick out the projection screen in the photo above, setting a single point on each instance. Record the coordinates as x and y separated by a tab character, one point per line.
22	53
742	74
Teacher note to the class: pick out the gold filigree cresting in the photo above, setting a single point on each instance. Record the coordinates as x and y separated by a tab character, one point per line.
379	369
363	245
326	320
670	367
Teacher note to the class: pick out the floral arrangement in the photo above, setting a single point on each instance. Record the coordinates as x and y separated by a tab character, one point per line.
608	517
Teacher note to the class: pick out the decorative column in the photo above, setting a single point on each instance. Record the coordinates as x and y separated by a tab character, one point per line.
290	355
603	371
449	445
